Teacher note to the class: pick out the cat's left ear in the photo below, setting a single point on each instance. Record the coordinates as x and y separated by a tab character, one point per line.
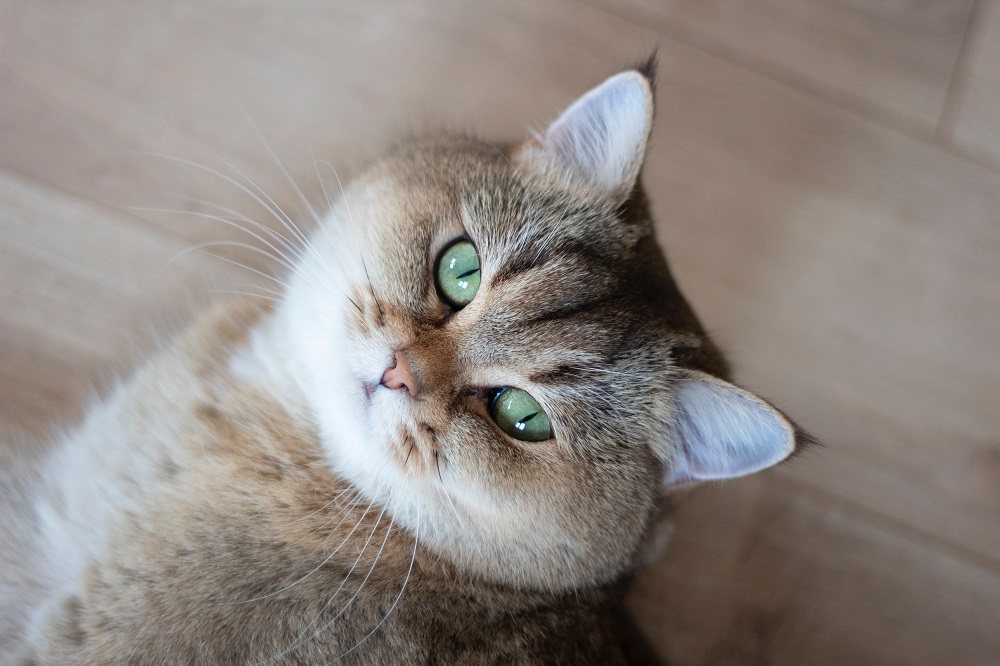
723	431
601	138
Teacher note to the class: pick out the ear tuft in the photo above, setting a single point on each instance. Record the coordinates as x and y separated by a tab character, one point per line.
648	68
725	432
601	138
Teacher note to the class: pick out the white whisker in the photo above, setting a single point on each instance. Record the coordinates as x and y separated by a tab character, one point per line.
317	567
285	219
235	292
245	246
288	261
237	215
444	493
232	181
281	166
409	571
319	176
298	640
360	587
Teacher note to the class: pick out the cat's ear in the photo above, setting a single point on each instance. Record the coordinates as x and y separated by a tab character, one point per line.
724	431
601	138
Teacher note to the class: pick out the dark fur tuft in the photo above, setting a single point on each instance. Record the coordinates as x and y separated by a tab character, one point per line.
648	67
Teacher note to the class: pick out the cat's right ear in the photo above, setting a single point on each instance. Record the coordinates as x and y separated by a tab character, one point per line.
723	431
600	140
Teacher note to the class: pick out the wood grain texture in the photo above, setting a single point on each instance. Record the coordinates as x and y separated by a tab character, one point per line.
851	271
779	576
890	58
110	291
974	123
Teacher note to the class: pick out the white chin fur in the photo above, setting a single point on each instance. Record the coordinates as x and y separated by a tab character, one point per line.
331	365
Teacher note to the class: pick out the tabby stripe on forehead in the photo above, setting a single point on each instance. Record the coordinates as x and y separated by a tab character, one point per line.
561	373
569	311
532	258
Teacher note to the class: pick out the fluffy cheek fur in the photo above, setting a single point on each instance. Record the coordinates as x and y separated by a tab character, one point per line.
529	514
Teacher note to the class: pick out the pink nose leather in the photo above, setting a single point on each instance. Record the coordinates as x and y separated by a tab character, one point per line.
400	375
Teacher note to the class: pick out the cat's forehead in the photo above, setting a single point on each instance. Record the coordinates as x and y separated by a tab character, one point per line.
510	211
551	256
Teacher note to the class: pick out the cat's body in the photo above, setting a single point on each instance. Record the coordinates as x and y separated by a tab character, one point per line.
331	479
221	511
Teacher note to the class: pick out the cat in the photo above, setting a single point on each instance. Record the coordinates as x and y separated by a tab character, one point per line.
448	441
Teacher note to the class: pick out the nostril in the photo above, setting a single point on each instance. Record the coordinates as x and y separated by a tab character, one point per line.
399	375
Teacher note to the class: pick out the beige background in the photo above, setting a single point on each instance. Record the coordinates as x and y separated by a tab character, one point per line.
826	179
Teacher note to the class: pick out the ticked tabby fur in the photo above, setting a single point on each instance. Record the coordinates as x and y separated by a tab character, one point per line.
259	492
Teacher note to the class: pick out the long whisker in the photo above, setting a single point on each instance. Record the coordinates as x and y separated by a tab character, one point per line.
287	221
237	215
232	181
443	492
268	204
289	261
340	183
314	570
350	487
298	191
409	571
245	246
285	218
271	207
281	166
360	587
236	292
343	193
296	252
256	250
298	640
319	176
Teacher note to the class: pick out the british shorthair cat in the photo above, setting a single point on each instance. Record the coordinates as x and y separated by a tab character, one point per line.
447	442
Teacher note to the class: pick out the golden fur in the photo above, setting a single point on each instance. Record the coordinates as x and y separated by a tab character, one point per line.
241	499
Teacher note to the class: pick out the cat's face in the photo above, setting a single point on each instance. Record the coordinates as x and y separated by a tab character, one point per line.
523	412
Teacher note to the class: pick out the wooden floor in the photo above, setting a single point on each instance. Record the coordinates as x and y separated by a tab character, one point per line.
826	177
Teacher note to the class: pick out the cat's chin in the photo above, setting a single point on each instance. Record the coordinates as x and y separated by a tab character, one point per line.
357	418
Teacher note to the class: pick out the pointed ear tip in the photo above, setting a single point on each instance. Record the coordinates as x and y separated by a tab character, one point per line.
647	68
802	441
640	81
634	92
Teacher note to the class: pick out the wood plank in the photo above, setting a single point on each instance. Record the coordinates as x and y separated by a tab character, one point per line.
851	270
974	124
84	293
893	59
198	80
760	575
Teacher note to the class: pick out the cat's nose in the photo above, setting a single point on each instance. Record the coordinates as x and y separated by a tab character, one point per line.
400	375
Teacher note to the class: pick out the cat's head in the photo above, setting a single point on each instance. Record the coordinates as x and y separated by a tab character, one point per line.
495	351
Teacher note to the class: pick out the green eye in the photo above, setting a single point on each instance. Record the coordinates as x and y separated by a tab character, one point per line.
458	273
519	415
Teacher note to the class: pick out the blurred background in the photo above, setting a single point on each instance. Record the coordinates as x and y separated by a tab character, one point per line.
825	175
